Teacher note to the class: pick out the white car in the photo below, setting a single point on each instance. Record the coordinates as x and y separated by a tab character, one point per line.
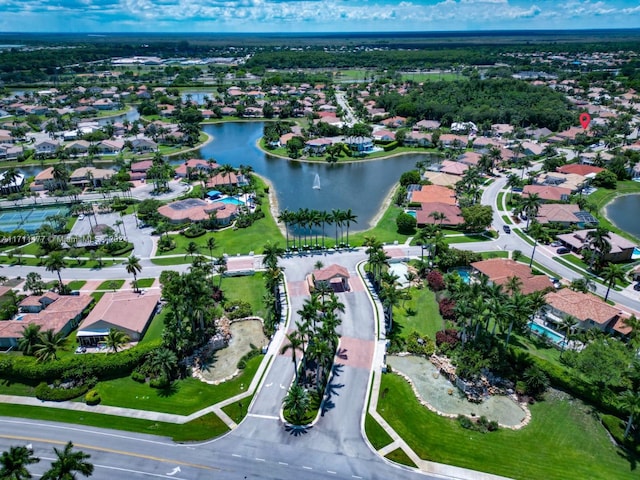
81	217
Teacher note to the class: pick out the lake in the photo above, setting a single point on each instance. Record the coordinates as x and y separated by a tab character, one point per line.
623	213
360	186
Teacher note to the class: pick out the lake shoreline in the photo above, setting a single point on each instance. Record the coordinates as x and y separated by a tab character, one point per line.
605	213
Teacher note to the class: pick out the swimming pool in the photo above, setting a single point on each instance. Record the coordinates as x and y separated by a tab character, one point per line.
464	272
412	213
636	253
231	200
543	331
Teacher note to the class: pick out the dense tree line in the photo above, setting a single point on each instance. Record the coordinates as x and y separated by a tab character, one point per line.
480	101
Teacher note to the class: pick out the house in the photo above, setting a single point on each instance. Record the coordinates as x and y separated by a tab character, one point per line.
621	248
434	194
589	310
565	214
359	144
572	181
141	145
417	139
335	276
384	135
471	159
579	169
547	193
195	165
79	147
46	147
42	180
110	147
500	270
394	122
453	168
61	315
427	125
452	214
197	210
128	312
84	176
317	146
10	152
450	140
442	179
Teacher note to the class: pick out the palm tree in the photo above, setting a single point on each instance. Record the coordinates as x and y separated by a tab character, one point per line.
221	268
14	462
325	218
55	263
599	241
323	354
520	311
286	217
438	217
133	267
296	402
164	362
336	218
48	346
584	285
116	339
30	338
295	343
513	285
390	297
226	169
630	401
68	464
272	252
348	218
192	249
531	205
568	324
610	274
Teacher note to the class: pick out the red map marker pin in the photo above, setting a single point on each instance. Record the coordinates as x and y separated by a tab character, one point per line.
585	119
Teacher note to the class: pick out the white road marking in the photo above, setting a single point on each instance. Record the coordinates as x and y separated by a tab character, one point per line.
268	384
283	463
355	476
307	468
268	417
236	455
260	459
331	472
174	471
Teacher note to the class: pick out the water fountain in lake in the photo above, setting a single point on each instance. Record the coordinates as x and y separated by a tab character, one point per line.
316	182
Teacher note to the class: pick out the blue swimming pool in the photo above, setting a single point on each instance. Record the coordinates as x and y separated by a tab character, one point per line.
231	200
543	331
412	213
464	272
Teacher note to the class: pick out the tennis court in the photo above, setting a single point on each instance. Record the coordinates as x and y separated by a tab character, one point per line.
29	219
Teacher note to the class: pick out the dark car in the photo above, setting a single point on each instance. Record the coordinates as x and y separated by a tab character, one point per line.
562	250
637	287
507	229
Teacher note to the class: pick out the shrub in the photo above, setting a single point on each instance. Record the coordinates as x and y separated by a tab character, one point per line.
447	309
242	363
420	345
406	223
92	397
45	391
194	231
160	382
447	337
465	422
238	309
138	377
390	146
435	280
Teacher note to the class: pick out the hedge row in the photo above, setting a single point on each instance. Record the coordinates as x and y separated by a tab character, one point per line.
103	366
56	394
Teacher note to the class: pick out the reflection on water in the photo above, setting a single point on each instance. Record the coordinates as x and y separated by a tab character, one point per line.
623	212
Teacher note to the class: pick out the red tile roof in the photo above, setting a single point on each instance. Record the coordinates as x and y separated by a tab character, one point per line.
434	194
583	306
500	270
330	272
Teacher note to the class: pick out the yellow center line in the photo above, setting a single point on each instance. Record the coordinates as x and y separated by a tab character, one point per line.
108	450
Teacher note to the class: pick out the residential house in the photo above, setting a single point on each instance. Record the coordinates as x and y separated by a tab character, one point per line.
572	181
197	210
79	147
128	312
452	214
417	139
143	145
500	270
46	147
336	276
453	168
562	213
84	176
547	193
317	146
434	194
586	171
110	147
589	310
621	248
427	125
195	165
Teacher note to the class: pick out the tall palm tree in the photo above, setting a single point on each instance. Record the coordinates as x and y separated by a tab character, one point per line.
30	338
164	363
192	249
295	343
323	354
599	241
116	339
133	267
325	218
221	268
520	311
568	324
55	263
630	401
531	205
48	345
272	253
336	218
296	402
14	462
286	218
69	464
513	285
438	217
610	274
348	218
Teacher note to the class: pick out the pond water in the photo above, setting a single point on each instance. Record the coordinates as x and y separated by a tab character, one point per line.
434	388
359	186
623	212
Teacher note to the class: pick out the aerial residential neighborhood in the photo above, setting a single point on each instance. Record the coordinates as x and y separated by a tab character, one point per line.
284	259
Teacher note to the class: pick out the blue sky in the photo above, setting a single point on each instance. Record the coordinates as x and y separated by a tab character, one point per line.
312	15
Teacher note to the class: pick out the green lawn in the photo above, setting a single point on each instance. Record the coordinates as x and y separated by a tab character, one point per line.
420	313
145	282
563	440
385	230
377	435
506	219
471	238
154	331
111	285
400	457
498	254
499	199
203	428
185	397
238	410
76	284
248	288
433	76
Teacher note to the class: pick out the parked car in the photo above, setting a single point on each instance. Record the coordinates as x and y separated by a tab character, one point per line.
81	216
507	229
636	287
562	250
81	349
556	244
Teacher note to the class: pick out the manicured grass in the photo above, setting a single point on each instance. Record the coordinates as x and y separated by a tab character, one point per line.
467	239
497	254
421	313
563	440
76	284
522	235
377	435
506	219
154	331
111	285
499	200
184	397
7	387
97	296
203	428
238	410
400	457
433	76
248	288
385	231
145	282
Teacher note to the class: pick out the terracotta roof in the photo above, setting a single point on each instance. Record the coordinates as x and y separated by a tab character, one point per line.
558	212
583	306
453	168
500	270
547	192
330	272
124	310
434	193
452	212
579	238
579	169
441	178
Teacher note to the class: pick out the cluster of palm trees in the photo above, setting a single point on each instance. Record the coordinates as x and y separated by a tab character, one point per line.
468	188
44	345
272	278
316	338
305	223
67	464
